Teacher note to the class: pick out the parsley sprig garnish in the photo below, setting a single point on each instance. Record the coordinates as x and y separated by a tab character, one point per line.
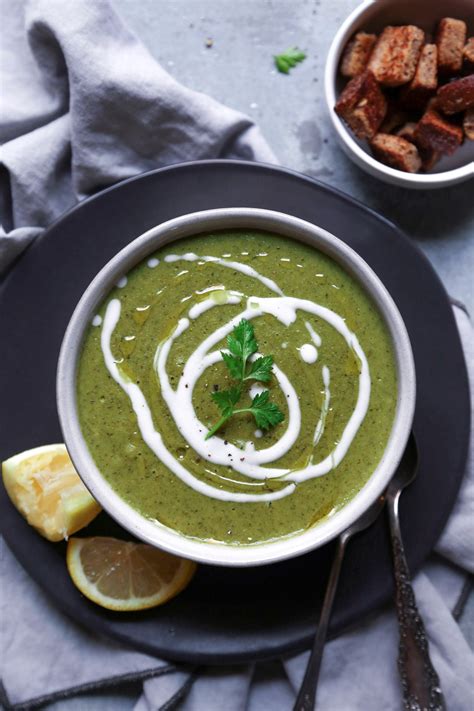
288	59
242	345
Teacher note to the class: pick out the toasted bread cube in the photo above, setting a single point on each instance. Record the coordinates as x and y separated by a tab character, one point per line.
450	40
362	105
396	152
356	54
456	96
468	124
435	133
395	55
428	156
426	73
468	54
424	83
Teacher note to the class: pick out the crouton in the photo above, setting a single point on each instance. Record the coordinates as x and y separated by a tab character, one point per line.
395	56
450	40
468	124
356	54
456	96
396	152
428	156
362	105
435	133
426	73
424	83
468	55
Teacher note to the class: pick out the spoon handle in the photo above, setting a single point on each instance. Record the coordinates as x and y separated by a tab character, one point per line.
306	698
420	682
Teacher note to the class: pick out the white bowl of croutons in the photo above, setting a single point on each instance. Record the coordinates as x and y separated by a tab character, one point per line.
399	85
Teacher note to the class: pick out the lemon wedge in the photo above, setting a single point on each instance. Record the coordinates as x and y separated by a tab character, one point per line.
124	576
44	486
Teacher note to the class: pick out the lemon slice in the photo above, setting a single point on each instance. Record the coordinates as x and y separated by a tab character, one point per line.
126	576
44	486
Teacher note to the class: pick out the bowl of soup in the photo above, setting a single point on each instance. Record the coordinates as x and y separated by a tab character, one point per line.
145	353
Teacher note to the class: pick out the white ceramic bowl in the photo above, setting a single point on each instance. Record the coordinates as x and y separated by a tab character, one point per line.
158	534
373	16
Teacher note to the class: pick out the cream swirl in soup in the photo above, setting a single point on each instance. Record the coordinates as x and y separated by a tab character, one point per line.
154	349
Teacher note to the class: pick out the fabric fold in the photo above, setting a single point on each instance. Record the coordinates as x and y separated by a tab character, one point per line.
217	688
44	653
117	113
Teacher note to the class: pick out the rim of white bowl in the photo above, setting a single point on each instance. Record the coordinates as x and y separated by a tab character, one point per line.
157	534
350	145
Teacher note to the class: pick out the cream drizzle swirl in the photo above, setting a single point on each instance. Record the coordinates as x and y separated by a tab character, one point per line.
248	462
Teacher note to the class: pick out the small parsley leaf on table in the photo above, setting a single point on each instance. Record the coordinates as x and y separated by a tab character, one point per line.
289	59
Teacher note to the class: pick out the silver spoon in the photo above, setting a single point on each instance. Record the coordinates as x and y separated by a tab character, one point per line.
420	682
306	698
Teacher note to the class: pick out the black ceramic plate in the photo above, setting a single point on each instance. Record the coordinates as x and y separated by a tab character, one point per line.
230	615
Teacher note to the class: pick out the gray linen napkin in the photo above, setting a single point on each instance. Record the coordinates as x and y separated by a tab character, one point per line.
83	106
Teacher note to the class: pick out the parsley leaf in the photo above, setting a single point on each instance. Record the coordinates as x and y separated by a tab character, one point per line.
226	399
233	364
288	59
261	369
266	413
242	345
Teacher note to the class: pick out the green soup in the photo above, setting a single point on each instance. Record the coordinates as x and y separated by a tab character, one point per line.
151	361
